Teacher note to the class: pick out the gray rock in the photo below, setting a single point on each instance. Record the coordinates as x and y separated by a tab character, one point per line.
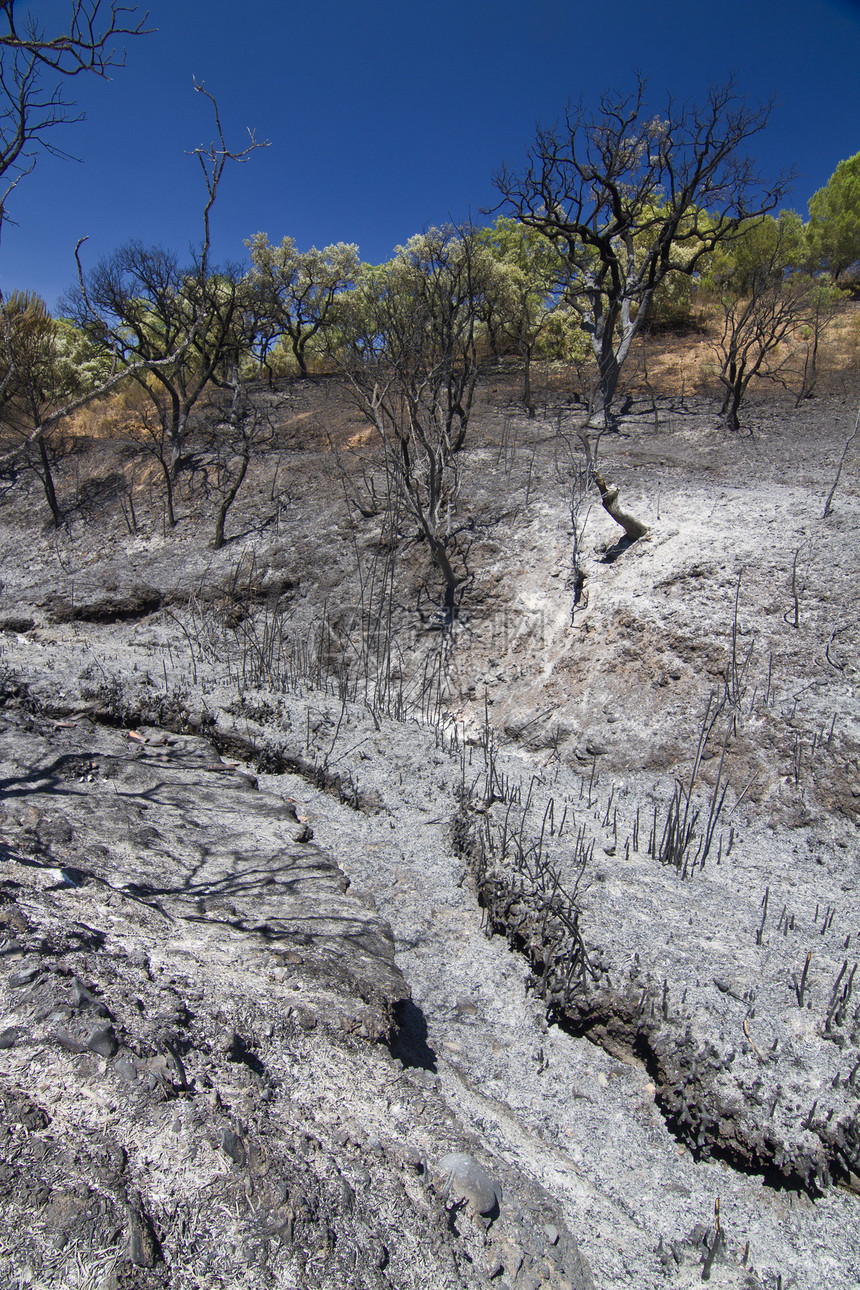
68	1042
462	1178
103	1040
82	997
126	1066
233	1145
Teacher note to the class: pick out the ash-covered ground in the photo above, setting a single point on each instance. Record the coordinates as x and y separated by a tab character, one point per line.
306	890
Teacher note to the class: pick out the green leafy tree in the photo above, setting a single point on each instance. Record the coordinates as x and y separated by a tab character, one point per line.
528	276
295	292
48	363
834	220
823	301
629	196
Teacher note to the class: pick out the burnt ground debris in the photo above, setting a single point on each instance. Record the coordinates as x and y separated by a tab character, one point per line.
721	1000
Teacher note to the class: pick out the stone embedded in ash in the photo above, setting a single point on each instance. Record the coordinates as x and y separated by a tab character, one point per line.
462	1178
305	1018
84	998
127	1068
10	1036
103	1040
233	1145
70	1044
25	975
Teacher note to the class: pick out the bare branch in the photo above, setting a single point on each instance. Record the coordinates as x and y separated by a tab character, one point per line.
157	319
213	157
628	196
35	64
828	505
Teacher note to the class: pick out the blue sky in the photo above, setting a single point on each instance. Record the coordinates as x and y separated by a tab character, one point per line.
386	117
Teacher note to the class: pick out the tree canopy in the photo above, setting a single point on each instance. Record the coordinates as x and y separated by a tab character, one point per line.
295	291
834	220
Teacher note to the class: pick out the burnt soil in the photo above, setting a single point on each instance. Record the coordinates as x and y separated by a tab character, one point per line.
305	887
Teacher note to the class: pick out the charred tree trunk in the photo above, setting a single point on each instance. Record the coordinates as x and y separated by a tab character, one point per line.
47	478
228	500
633	528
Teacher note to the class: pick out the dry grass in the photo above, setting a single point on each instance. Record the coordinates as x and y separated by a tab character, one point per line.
670	363
686	364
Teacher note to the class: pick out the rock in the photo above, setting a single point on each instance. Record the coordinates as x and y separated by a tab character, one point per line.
126	1066
103	1040
10	1036
70	1044
233	1145
461	1176
84	998
306	1018
466	1006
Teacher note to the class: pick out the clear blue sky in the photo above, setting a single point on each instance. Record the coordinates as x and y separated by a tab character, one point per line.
386	117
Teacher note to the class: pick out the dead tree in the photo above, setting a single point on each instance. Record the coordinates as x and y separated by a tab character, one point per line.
633	528
410	354
37	61
205	307
628	195
238	435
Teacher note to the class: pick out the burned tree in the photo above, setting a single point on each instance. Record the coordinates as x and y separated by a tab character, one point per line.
410	352
172	328
37	61
633	528
171	325
628	195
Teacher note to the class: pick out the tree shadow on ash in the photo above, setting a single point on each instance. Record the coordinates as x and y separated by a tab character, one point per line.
410	1044
611	553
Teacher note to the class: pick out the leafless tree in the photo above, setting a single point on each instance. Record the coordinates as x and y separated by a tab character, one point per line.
411	355
629	195
203	323
828	505
36	63
147	430
144	306
242	428
169	327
